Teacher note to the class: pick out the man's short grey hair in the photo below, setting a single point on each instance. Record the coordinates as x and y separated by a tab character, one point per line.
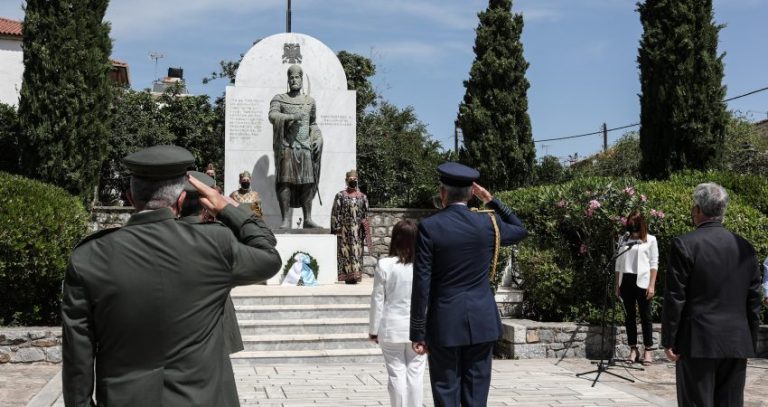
155	194
457	194
712	199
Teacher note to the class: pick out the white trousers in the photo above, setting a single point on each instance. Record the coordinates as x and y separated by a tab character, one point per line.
406	374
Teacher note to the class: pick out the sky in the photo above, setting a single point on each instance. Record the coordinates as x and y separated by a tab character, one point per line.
582	53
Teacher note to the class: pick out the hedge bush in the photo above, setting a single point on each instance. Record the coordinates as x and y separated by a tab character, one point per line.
574	227
39	226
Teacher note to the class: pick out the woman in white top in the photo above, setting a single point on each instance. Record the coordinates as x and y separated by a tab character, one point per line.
391	314
635	284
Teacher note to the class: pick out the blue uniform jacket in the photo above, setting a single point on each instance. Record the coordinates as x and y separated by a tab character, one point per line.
452	303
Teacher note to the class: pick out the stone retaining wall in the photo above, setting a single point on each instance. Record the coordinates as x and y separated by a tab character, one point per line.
381	219
30	344
526	339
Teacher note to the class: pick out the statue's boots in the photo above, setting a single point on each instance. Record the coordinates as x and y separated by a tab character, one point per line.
284	200
308	223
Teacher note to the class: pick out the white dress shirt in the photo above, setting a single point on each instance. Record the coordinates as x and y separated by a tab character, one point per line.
639	259
390	315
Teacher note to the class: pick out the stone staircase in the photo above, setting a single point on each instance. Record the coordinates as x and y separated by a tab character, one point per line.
326	324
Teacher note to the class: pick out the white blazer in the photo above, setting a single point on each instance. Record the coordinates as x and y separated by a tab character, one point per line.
639	259
390	315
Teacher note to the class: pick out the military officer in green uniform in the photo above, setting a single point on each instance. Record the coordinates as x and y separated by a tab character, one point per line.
142	305
192	212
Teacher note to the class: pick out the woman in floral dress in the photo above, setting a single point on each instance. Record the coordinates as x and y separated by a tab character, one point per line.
350	225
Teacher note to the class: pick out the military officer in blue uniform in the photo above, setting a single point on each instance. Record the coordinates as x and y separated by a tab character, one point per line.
142	305
454	318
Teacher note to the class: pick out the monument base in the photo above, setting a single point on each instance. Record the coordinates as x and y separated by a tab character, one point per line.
320	246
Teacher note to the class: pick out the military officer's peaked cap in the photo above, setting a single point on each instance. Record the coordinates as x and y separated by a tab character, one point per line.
205	179
457	175
160	162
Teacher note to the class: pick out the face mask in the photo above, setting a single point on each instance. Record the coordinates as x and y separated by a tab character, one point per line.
352	184
245	185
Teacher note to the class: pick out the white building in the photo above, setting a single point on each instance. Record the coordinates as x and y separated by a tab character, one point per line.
11	61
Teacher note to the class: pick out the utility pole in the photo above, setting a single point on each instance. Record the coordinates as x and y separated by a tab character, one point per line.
605	137
456	138
288	18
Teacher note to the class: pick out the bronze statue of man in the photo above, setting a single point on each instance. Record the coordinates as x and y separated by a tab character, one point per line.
298	146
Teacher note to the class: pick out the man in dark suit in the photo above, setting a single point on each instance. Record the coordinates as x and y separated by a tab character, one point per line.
711	306
453	312
144	303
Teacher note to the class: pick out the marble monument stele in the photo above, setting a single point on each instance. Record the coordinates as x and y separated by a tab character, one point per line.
290	121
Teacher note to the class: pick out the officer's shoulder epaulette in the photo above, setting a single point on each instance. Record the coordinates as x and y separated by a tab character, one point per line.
96	235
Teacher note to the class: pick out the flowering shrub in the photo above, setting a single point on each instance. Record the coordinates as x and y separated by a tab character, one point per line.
574	229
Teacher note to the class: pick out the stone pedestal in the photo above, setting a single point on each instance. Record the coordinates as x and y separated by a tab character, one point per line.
320	246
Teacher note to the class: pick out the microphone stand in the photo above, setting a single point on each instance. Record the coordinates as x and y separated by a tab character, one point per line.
608	361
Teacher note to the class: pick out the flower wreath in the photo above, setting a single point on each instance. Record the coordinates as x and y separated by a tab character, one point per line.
312	264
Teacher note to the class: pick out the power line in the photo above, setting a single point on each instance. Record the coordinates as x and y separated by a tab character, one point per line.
637	124
746	94
589	134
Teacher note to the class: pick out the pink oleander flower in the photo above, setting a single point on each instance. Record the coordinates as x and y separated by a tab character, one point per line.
623	221
562	204
629	191
594	204
583	249
589	212
643	198
657	214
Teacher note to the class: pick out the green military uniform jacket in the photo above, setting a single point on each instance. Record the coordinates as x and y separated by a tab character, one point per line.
233	341
143	305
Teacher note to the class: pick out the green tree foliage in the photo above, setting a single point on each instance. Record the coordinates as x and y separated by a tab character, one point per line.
621	159
494	113
66	93
550	171
396	158
143	120
359	70
682	113
39	225
9	139
746	150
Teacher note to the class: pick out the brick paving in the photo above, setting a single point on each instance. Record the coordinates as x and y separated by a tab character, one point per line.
533	382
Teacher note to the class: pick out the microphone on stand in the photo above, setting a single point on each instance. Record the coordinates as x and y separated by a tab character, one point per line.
624	241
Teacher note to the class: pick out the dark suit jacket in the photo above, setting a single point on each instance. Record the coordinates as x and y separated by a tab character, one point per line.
144	304
712	295
451	302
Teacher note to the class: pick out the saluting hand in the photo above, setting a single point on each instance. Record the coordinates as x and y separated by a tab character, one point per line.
210	198
481	193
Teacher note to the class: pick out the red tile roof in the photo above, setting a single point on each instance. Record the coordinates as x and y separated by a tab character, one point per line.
10	27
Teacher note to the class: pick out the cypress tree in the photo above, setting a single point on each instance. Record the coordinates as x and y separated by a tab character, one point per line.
66	93
683	117
493	116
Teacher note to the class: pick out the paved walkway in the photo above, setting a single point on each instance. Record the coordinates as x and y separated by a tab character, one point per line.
540	382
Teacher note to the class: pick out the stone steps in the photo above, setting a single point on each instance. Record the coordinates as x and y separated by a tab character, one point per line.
301	311
348	356
303	326
307	342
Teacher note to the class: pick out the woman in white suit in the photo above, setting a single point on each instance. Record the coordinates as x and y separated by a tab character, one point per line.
636	285
390	318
